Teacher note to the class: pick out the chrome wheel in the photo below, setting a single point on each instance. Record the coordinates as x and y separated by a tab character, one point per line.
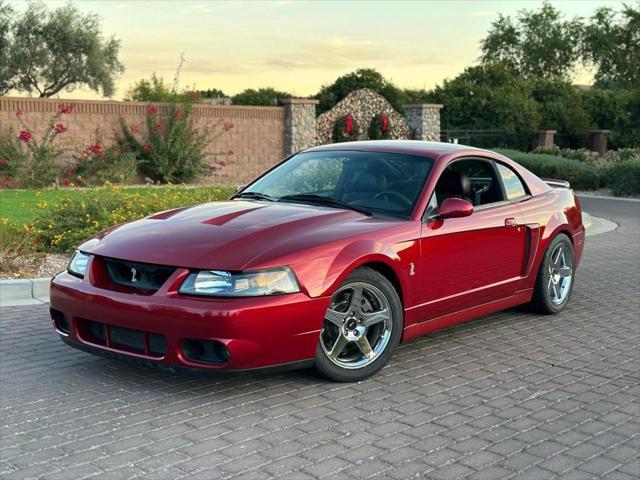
560	274
357	326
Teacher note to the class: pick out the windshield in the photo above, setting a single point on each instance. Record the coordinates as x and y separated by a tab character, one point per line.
375	182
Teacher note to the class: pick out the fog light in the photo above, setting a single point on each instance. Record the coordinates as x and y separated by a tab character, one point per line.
205	351
60	321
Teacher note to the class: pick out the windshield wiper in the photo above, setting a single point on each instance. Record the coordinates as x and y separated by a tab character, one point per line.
256	196
328	201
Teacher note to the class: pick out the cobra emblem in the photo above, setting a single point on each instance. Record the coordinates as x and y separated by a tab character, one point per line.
134	274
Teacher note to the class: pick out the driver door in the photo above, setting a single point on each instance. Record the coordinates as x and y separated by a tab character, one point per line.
472	260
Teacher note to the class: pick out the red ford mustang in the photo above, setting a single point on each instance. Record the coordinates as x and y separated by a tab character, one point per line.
329	259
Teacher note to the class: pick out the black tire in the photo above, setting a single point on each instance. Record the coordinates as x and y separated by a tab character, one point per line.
330	370
542	301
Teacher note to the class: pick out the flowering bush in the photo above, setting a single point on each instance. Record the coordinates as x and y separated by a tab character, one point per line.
345	129
379	127
33	162
63	225
97	165
172	150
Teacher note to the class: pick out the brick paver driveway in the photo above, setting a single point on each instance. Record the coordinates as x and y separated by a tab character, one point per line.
512	395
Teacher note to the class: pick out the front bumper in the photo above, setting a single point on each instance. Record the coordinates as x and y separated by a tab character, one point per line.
257	332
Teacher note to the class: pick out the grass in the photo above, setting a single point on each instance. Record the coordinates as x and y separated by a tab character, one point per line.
19	207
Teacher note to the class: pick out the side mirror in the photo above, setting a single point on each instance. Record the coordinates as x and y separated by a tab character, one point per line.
455	208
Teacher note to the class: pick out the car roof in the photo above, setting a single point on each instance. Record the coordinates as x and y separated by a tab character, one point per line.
432	150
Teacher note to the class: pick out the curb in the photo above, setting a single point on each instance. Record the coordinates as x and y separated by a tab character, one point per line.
606	197
24	292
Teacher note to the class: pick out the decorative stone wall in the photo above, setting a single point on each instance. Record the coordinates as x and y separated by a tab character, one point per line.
299	124
362	104
424	121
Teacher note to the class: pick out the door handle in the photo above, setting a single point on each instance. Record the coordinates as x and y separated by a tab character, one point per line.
511	222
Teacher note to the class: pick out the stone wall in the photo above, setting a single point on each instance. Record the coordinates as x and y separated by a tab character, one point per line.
300	124
362	105
255	143
424	121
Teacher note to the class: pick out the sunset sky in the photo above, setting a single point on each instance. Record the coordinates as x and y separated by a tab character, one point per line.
296	45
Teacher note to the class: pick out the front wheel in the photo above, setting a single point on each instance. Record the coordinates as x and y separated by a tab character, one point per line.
555	277
361	329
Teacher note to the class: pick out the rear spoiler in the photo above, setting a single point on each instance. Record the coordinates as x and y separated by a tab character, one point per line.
553	183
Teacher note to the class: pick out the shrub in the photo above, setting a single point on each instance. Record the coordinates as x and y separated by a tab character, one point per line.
17	250
623	178
34	161
172	151
345	129
63	225
380	127
98	165
581	176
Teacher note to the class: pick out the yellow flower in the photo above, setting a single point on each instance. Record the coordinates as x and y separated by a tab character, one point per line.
5	221
38	194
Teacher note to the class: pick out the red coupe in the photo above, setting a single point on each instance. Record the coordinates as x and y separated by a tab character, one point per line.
330	259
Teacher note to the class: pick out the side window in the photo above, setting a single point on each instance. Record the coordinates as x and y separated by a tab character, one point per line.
472	180
512	184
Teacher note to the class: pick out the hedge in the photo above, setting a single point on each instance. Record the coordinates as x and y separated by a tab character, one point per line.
623	178
581	175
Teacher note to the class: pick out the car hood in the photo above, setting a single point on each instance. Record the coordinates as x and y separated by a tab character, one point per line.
229	235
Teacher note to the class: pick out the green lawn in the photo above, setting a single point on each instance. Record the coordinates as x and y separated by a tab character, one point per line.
20	206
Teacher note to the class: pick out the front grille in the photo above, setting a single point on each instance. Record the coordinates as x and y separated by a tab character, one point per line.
143	277
124	339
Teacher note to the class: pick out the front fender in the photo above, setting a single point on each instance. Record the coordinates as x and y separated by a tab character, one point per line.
323	276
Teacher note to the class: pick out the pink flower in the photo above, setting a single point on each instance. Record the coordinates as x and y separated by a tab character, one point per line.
223	163
19	113
24	136
4	162
179	114
152	109
60	128
146	148
385	123
157	127
227	125
62	108
95	149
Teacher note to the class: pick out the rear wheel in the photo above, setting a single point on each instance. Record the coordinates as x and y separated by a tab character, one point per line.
361	328
555	277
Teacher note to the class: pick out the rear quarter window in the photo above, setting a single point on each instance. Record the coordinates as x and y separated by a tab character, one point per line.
513	186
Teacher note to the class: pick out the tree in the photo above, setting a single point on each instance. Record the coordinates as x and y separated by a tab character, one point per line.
7	80
152	90
331	94
611	43
538	44
262	96
488	97
561	106
51	51
212	93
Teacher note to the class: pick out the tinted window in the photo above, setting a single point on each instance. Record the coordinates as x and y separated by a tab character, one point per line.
512	184
472	180
382	183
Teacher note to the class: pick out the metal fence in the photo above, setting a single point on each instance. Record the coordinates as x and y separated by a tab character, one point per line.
491	139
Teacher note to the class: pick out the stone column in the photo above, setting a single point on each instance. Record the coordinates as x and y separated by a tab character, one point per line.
299	124
598	141
424	121
545	139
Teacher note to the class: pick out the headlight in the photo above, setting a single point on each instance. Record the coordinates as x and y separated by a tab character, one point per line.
255	283
78	264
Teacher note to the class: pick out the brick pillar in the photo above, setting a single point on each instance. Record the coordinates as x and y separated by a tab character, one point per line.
598	141
299	124
424	121
545	139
